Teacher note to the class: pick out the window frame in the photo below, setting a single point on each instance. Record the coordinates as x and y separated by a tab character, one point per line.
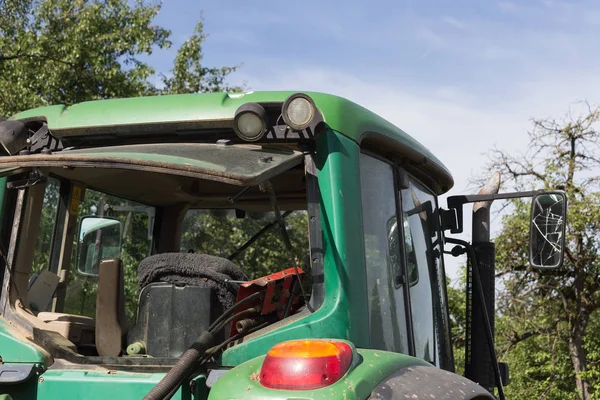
437	287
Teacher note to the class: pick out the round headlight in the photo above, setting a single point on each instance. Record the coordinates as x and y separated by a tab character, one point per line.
298	111
250	122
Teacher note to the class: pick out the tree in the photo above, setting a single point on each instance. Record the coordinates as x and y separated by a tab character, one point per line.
457	301
550	314
69	51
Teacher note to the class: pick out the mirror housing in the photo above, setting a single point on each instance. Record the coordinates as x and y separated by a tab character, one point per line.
548	221
99	238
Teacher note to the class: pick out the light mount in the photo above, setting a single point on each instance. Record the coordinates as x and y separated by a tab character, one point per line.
19	136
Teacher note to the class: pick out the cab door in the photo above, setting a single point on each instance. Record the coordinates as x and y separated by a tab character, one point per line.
407	302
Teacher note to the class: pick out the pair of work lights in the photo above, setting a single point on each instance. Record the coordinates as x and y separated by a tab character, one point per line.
250	122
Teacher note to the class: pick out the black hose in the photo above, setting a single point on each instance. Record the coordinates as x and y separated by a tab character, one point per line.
182	369
232	309
241	314
212	351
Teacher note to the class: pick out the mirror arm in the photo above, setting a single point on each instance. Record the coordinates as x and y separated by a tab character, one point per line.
453	217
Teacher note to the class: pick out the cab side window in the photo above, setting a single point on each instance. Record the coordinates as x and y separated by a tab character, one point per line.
135	245
423	248
416	213
385	299
43	245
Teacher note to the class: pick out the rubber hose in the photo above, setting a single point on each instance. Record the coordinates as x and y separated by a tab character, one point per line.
182	369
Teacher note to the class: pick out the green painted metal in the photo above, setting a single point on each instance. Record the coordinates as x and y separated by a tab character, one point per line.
341	315
372	368
100	385
340	114
198	387
15	350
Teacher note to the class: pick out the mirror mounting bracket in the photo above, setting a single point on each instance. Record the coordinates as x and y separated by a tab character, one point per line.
455	222
35	177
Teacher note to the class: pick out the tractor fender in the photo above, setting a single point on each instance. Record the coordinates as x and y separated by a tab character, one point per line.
421	382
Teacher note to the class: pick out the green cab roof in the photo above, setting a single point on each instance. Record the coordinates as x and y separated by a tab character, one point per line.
218	109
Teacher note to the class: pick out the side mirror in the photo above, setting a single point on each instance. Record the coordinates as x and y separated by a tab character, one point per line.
548	221
99	238
396	254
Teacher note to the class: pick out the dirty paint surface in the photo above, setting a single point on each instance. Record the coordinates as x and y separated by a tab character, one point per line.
372	367
15	350
92	385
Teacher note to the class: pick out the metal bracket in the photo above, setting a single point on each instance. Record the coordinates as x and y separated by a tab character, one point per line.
35	177
456	202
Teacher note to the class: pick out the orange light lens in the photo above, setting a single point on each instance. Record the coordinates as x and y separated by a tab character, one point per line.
305	364
306	349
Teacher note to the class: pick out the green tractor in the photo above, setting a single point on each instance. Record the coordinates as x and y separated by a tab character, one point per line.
96	196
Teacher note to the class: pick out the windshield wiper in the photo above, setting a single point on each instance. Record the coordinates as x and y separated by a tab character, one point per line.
256	236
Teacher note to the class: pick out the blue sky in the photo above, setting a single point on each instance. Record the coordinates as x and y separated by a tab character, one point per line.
460	76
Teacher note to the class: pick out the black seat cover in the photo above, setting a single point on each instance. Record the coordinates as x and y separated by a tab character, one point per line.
201	270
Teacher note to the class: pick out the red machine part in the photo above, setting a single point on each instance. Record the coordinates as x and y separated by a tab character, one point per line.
277	288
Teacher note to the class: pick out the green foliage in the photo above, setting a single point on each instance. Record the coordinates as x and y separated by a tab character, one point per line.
206	233
189	75
70	51
456	307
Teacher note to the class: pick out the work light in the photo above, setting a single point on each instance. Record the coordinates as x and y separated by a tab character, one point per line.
298	111
250	122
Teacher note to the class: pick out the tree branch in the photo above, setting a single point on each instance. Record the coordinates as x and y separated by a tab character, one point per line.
40	56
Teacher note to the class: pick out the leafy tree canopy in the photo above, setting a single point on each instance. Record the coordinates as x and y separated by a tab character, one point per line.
69	51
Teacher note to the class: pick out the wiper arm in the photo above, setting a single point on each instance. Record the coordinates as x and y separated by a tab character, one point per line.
256	236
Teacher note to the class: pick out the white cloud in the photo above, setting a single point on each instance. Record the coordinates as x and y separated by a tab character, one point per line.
507	6
454	22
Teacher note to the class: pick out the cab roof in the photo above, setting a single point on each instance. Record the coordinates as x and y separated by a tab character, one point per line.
218	109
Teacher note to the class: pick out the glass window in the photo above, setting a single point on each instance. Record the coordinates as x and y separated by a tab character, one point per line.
43	246
385	302
136	244
223	232
426	275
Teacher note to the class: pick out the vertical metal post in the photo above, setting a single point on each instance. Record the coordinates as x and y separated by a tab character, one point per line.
479	366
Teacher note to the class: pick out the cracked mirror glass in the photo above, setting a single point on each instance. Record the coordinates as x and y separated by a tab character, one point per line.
547	230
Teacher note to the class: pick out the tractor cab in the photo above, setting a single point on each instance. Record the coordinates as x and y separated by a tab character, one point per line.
257	245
